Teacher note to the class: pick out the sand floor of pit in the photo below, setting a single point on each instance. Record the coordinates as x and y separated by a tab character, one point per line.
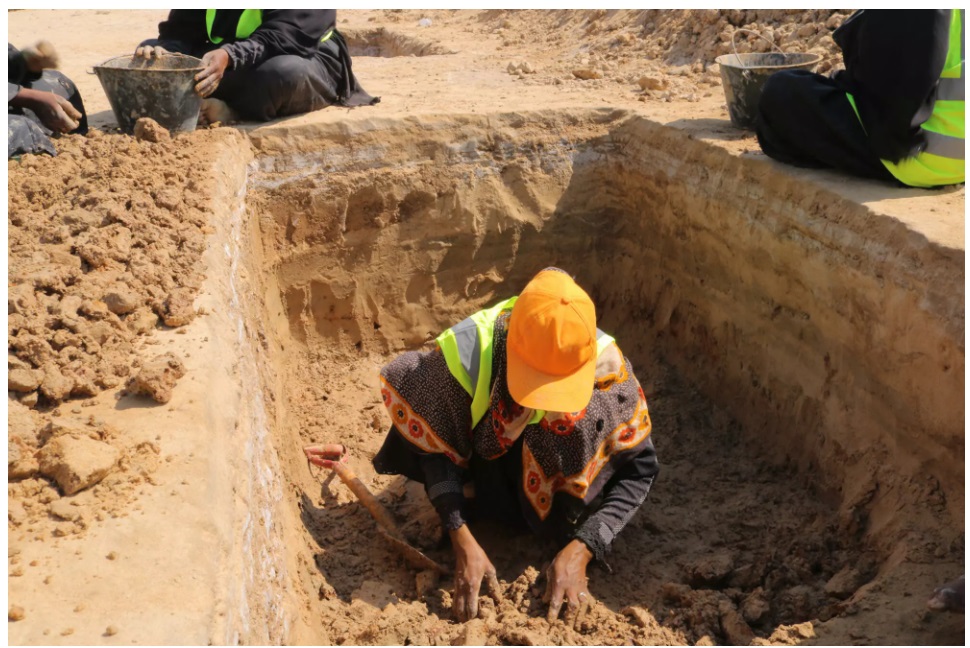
89	592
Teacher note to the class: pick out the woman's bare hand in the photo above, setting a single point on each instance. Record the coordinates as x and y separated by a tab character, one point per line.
566	581
472	566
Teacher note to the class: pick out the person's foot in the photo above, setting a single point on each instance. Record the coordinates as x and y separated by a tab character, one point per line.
216	110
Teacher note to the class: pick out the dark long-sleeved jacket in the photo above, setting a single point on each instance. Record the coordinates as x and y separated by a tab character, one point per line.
295	32
893	61
596	525
17	72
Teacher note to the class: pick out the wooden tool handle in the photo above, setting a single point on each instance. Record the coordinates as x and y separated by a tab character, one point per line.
377	510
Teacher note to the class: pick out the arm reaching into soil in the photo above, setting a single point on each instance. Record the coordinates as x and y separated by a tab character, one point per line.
566	582
472	566
54	112
443	482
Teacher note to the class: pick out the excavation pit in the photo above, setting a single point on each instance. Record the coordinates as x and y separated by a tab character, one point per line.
387	43
802	357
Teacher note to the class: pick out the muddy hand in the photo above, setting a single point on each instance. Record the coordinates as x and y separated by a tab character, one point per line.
150	52
54	112
566	582
324	455
40	56
949	597
214	65
472	566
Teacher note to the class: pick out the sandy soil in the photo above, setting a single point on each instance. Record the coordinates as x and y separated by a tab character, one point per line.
742	544
110	245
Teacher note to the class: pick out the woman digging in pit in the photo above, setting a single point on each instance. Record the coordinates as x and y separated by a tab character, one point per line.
525	412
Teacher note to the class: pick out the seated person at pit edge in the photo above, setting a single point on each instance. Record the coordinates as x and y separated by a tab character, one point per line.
40	101
524	412
895	113
261	64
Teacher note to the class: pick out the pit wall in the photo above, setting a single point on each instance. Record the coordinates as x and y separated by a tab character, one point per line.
835	335
251	598
382	232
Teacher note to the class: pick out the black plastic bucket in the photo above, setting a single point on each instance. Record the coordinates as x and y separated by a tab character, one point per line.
743	77
163	89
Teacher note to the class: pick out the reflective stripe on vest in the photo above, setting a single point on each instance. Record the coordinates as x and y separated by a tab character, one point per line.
942	161
249	21
467	347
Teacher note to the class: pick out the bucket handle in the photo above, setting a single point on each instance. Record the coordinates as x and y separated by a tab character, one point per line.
734	47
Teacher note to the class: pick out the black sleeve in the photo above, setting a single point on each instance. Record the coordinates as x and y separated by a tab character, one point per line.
283	31
893	61
444	483
184	25
623	496
17	72
443	480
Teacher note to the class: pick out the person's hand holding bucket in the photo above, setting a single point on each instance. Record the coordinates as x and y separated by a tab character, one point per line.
215	64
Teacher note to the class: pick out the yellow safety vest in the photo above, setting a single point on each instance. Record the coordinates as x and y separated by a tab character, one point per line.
467	347
249	21
942	161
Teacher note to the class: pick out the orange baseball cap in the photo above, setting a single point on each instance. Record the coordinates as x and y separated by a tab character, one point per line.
552	344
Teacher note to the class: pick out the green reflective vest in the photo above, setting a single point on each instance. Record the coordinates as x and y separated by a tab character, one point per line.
248	22
467	347
942	161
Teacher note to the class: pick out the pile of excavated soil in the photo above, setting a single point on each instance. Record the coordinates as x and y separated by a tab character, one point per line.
661	54
104	248
105	242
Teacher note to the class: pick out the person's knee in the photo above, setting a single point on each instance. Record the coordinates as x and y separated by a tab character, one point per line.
285	82
776	92
54	78
283	74
281	86
24	135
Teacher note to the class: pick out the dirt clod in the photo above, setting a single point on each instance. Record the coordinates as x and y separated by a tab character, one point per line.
651	82
587	74
149	130
844	583
177	309
736	631
157	377
426	581
24	380
755	607
473	633
76	463
16	513
121	300
65	510
522	637
710	570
